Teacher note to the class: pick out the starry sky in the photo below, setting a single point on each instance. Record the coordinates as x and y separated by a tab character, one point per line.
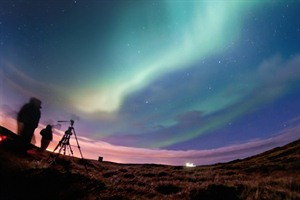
176	81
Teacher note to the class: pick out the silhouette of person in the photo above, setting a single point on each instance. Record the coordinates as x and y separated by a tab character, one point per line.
46	134
28	119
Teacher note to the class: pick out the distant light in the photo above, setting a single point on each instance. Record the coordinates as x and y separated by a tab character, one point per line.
188	164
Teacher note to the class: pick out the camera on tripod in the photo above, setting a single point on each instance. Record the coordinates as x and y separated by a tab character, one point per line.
69	131
64	143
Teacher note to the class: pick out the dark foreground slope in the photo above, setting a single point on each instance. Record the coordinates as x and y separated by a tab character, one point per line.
271	175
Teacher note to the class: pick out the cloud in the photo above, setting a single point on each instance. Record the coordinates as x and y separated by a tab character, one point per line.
21	81
276	78
8	111
20	84
276	71
152	136
168	121
92	149
199	157
190	117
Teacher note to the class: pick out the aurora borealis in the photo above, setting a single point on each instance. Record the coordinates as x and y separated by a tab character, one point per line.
164	75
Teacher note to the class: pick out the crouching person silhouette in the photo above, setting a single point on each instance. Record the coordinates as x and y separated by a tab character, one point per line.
47	136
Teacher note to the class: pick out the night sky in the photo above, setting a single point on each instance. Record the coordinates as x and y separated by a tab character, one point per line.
195	80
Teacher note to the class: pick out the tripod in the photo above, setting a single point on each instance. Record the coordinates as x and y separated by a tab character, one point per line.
64	143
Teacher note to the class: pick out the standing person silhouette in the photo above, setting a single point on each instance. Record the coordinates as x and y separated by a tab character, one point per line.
46	134
28	119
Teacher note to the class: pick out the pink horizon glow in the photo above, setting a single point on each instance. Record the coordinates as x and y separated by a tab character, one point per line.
92	149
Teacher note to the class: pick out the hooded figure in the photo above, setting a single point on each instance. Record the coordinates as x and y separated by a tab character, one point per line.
28	119
46	134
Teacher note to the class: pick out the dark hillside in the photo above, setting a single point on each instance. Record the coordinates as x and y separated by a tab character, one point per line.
270	175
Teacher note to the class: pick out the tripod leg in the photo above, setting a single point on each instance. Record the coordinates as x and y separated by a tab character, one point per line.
52	155
77	143
65	147
57	146
71	151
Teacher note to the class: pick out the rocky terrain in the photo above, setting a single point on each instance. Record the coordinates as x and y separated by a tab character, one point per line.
274	174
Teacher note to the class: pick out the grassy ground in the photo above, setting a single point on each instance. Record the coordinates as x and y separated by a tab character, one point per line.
271	175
